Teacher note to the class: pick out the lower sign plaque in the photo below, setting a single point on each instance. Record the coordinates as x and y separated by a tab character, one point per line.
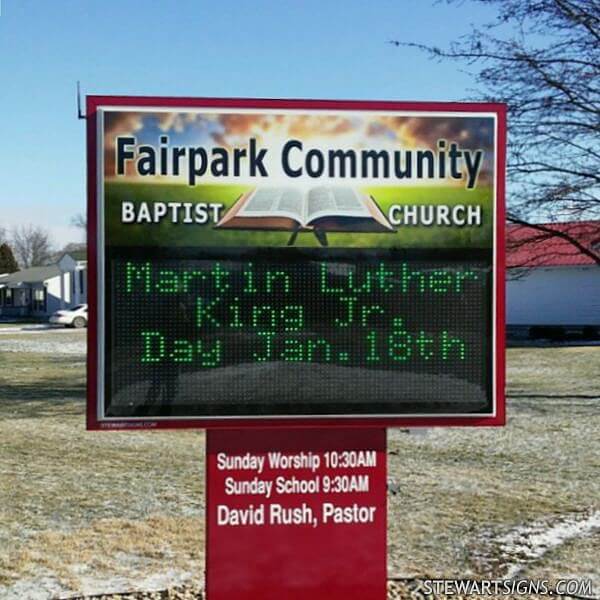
296	514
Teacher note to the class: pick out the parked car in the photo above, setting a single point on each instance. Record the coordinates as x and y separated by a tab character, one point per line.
71	317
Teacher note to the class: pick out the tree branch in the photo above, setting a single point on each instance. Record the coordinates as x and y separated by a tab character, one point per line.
595	256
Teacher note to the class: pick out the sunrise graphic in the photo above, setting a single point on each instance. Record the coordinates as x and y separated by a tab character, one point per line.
306	169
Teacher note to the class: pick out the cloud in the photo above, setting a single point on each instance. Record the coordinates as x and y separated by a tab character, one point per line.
120	123
115	124
346	130
423	132
307	126
235	129
471	132
380	130
178	122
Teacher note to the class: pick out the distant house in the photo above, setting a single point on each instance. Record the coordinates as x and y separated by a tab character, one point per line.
552	286
40	291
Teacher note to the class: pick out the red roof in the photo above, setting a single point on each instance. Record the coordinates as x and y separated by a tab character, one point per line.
529	247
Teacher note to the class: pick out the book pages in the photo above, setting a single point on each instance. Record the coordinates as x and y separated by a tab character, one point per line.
335	202
270	202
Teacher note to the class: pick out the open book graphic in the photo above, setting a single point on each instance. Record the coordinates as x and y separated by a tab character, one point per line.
293	209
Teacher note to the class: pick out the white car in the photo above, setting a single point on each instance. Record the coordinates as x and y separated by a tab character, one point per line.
71	317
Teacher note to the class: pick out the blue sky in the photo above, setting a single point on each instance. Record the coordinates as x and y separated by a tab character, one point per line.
280	49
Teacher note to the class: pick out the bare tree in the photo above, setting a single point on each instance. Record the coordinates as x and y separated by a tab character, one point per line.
542	58
80	221
31	245
8	264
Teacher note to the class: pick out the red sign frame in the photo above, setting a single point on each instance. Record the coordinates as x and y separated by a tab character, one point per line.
94	423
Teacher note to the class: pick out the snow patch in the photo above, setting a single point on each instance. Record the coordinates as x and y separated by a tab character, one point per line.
530	542
45	346
47	587
32	589
34	328
151	583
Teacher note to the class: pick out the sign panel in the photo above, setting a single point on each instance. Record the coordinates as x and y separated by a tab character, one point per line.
296	514
295	262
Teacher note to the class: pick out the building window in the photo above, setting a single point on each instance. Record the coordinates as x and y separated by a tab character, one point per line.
9	297
72	275
81	281
39	300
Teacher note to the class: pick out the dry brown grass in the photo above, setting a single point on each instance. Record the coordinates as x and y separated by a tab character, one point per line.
460	487
76	503
72	497
114	546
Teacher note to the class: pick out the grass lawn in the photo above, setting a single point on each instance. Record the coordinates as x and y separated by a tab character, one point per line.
83	507
461	488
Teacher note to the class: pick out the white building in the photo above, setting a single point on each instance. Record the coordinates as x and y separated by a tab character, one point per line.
40	291
552	286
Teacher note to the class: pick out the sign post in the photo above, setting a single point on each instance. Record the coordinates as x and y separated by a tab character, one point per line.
295	277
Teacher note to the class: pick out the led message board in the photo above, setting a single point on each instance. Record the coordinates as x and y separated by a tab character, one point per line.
294	262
